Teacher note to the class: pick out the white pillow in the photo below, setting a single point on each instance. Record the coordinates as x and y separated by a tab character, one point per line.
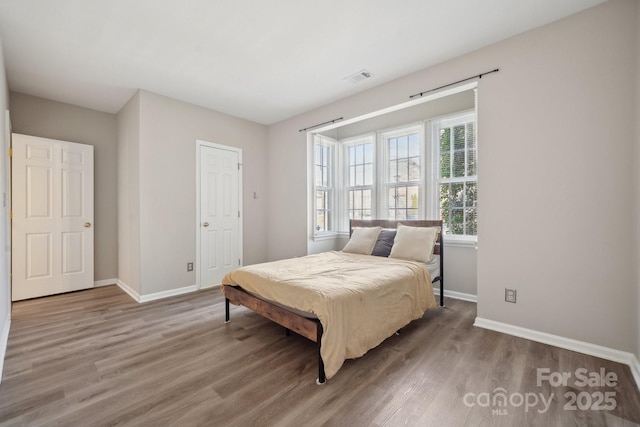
362	240
414	243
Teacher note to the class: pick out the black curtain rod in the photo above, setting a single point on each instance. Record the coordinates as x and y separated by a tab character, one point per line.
321	124
479	76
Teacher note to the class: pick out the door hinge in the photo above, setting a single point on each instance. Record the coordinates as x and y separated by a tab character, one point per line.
238	166
10	152
10	214
238	214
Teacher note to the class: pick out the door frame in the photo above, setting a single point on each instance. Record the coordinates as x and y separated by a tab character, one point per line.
7	200
199	144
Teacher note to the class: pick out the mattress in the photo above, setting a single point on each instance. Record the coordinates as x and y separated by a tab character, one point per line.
434	270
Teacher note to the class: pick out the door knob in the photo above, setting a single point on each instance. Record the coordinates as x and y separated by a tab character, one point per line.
205	224
87	224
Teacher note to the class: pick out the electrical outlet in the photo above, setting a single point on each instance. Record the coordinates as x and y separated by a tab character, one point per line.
510	295
189	266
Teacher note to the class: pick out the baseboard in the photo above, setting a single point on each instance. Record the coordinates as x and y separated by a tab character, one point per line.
158	295
105	282
169	293
457	295
635	370
133	294
4	341
566	343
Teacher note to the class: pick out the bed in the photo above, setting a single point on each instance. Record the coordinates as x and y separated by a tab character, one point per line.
336	299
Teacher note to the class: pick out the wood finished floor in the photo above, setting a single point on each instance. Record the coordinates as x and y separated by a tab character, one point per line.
97	358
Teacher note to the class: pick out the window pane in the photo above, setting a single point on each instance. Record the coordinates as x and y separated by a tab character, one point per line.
413	202
458	137
368	153
471	137
393	149
359	175
368	174
414	169
318	176
445	164
325	176
458	163
320	223
392	197
457	221
401	214
401	197
366	199
471	163
393	171
352	155
457	195
471	222
352	176
471	195
320	199
357	199
403	170
403	148
445	139
414	145
359	154
445	196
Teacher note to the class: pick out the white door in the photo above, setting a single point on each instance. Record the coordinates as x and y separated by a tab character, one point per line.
219	213
52	227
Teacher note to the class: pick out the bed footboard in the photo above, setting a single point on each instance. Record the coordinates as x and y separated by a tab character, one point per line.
308	328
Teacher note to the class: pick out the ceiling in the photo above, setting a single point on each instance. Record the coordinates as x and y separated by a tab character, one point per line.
262	60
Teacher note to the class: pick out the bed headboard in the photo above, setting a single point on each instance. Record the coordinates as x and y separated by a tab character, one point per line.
385	223
437	250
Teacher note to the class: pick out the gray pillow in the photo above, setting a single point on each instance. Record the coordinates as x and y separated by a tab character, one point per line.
384	243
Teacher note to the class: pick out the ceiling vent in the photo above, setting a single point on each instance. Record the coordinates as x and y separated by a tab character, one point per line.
359	76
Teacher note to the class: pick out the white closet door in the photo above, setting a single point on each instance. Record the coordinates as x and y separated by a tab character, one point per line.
219	214
52	227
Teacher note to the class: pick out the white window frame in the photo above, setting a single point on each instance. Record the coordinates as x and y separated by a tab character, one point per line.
369	138
333	187
434	179
428	185
385	183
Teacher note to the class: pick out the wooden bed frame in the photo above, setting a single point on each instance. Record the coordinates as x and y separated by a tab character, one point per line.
312	328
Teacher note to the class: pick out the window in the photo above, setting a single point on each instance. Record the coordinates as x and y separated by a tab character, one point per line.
323	178
359	185
457	183
415	171
403	172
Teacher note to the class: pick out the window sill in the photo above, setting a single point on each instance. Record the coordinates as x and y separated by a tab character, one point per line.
330	236
462	243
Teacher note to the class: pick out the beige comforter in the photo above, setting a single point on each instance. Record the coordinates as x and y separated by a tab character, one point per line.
359	299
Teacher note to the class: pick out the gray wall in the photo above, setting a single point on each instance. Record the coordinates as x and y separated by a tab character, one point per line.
556	135
166	169
35	116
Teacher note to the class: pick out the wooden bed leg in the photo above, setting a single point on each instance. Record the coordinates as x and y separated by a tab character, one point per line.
321	375
441	292
226	310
